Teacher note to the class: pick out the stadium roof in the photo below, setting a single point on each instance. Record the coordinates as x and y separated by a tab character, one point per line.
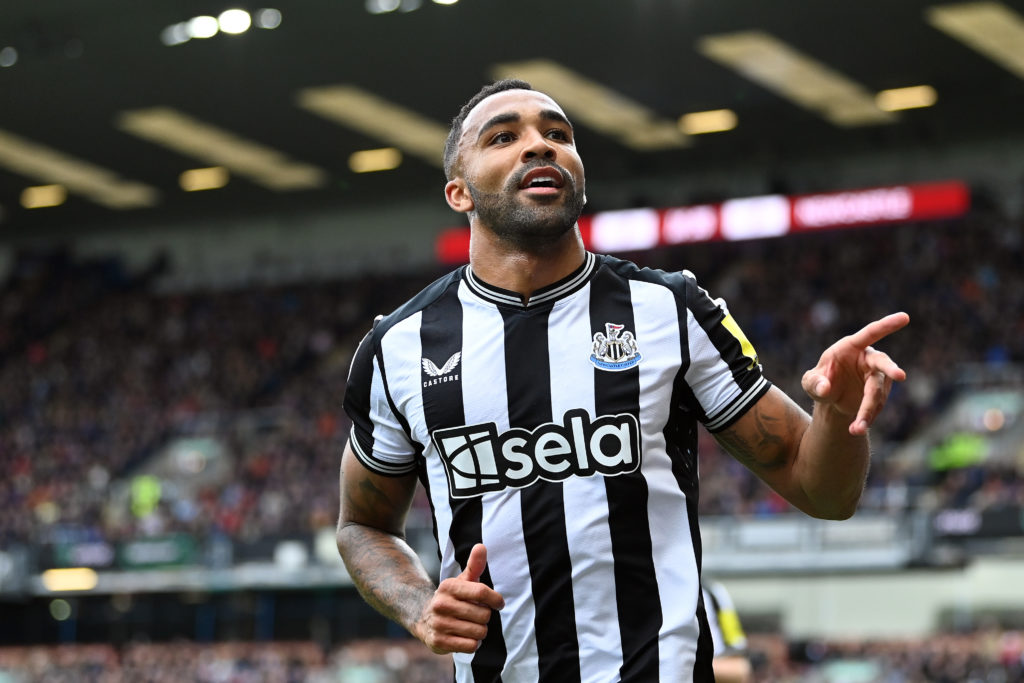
105	104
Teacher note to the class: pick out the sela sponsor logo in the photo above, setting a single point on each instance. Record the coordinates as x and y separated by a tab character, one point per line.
441	374
614	349
478	459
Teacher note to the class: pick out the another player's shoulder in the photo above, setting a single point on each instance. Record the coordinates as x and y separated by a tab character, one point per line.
424	299
681	282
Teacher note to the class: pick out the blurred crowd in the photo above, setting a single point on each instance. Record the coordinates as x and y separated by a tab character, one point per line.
99	371
989	655
229	662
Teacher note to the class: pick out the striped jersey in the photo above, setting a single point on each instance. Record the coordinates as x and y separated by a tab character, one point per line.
561	433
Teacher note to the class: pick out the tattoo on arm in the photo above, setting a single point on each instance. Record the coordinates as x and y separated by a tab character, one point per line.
386	572
764	438
383	567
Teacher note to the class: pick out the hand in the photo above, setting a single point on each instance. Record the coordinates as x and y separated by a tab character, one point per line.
855	379
455	619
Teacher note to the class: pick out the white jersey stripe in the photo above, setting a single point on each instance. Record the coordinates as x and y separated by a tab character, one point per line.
586	507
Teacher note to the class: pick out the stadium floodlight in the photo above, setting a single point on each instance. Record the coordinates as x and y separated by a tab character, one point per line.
990	28
198	179
913	97
597	106
43	196
234	21
371	160
801	79
77	176
261	164
267	18
377	118
703	122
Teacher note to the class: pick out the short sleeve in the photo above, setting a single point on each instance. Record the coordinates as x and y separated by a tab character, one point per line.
378	437
723	372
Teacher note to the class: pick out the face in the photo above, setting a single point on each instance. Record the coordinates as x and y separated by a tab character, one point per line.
518	169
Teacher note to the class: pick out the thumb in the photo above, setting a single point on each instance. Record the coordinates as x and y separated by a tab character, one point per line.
476	564
816	385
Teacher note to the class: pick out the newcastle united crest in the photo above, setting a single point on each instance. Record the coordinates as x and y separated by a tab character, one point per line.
614	349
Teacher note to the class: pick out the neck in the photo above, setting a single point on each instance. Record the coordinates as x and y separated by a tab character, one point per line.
519	270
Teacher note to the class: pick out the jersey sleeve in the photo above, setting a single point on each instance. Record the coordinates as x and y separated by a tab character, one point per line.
723	373
726	630
378	438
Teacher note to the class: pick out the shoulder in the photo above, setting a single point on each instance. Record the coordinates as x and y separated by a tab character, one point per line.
683	283
428	296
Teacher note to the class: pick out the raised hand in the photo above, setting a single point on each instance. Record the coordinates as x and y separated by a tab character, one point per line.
455	619
855	379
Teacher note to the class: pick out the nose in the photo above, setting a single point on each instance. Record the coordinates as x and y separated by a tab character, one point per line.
536	145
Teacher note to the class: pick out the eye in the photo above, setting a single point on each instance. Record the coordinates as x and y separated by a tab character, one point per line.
559	134
502	138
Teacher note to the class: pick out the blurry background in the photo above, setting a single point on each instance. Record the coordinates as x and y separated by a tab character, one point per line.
203	205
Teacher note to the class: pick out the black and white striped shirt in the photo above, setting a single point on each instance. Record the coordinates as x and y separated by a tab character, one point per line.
561	433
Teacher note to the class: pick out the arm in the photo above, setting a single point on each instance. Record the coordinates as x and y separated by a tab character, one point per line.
450	618
731	669
819	462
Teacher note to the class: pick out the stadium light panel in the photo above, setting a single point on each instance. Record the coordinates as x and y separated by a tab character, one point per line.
73	579
371	160
43	196
990	28
261	164
197	179
596	106
79	177
801	79
914	97
377	118
703	122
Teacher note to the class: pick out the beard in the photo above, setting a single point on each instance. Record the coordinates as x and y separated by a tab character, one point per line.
525	224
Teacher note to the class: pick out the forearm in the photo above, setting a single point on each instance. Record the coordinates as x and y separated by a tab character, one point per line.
387	573
832	464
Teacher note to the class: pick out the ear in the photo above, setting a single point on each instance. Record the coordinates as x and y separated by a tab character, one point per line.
457	195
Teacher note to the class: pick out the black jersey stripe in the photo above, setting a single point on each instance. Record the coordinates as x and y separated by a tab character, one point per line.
702	667
440	339
528	379
636	585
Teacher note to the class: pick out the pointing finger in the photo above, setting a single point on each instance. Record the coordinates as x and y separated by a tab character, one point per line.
879	329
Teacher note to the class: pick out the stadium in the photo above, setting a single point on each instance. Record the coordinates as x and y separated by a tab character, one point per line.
203	208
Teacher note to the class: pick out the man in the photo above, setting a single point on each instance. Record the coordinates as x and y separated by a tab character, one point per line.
547	398
731	664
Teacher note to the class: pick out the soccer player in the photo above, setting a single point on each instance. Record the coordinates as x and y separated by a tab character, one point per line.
548	398
730	663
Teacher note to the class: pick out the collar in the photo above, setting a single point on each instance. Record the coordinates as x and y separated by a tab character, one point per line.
549	293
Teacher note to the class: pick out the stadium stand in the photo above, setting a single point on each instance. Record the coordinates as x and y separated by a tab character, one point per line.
127	413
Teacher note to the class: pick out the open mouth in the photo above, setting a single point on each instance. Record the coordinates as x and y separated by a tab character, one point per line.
543	180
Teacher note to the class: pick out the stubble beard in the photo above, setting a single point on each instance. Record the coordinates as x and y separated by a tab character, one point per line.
528	225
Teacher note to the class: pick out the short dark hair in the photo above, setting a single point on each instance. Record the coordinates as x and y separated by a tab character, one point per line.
451	144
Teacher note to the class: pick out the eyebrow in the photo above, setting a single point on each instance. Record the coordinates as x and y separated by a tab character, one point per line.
513	117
